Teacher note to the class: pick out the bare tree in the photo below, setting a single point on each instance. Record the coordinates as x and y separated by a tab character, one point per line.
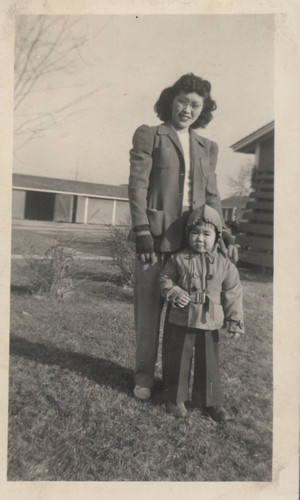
46	47
240	185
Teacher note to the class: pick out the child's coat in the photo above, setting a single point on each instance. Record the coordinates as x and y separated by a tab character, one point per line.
212	282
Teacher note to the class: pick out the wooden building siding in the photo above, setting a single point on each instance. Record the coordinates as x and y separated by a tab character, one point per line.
256	230
18	204
81	209
60	200
122	215
63	208
99	211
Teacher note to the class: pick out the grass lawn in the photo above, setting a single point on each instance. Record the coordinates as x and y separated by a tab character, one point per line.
72	416
34	239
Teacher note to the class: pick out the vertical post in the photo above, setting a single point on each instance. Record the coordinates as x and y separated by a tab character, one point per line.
71	209
86	206
257	155
74	210
113	221
234	211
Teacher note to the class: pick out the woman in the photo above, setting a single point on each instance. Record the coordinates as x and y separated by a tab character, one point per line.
172	172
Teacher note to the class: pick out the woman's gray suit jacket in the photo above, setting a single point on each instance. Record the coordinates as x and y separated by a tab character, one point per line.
156	181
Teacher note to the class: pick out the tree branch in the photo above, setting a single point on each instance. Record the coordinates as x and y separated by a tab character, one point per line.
46	45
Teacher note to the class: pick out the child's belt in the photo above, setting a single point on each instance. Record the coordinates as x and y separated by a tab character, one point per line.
198	297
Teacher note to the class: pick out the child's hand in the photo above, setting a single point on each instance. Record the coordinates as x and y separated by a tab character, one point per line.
235	328
183	300
178	296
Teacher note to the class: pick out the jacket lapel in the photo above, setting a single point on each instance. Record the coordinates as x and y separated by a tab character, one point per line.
197	137
167	129
197	145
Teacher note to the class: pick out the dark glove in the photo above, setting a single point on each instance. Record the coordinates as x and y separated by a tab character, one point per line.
144	243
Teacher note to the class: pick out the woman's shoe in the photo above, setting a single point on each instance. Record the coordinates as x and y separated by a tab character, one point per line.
178	410
219	414
142	393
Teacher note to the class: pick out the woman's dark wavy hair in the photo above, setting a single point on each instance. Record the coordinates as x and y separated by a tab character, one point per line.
187	83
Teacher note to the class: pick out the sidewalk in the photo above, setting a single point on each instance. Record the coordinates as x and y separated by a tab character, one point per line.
56	227
40	235
78	257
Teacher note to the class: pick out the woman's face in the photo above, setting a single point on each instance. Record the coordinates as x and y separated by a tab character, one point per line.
186	108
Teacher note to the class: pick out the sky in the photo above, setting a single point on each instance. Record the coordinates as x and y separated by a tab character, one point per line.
130	60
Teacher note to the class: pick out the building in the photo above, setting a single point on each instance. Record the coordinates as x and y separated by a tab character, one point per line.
233	208
256	231
48	199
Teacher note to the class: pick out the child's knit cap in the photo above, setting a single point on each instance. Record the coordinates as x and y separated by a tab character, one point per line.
206	214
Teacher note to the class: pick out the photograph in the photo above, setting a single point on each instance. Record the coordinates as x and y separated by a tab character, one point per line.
149	279
141	313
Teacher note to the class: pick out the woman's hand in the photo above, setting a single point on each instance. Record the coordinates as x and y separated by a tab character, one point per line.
233	253
229	241
147	258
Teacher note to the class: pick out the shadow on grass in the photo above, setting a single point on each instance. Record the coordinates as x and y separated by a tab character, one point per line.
100	370
107	290
20	289
101	277
102	288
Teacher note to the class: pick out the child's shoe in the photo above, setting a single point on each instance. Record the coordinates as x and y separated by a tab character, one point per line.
142	393
219	414
178	410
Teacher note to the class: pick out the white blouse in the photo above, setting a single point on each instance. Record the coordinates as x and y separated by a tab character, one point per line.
184	138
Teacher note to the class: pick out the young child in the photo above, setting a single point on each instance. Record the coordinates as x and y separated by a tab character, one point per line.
202	285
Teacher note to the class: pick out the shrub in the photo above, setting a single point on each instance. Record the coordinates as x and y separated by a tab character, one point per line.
52	273
122	252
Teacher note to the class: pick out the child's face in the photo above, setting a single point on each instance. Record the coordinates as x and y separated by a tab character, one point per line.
202	237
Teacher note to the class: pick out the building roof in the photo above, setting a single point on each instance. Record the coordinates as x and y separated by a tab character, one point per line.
234	201
248	143
36	183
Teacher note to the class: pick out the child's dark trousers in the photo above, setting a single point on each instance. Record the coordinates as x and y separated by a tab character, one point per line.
178	346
